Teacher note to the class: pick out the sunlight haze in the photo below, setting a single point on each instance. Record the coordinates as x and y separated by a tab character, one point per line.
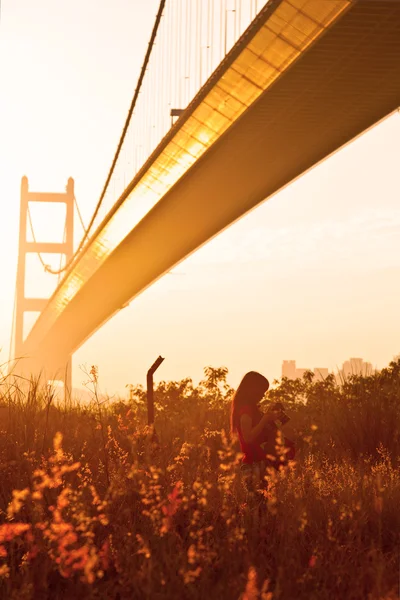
312	275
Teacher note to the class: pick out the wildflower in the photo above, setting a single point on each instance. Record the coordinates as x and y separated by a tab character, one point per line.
312	562
19	497
144	548
170	509
251	591
191	554
94	373
4	571
9	531
57	442
191	575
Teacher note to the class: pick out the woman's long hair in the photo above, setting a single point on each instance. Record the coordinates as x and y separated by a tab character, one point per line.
250	391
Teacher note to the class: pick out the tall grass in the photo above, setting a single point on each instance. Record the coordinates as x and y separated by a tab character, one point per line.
92	507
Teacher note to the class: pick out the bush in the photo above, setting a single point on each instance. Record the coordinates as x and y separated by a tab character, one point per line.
92	507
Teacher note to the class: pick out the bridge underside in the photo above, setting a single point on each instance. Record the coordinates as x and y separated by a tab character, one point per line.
337	89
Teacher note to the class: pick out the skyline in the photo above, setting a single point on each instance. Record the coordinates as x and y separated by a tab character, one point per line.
239	287
352	366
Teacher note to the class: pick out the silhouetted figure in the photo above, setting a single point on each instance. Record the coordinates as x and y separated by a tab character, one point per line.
256	430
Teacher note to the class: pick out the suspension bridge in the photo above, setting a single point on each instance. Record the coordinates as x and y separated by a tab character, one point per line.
235	100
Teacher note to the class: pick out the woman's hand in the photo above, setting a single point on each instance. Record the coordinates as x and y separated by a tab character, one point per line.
251	433
270	416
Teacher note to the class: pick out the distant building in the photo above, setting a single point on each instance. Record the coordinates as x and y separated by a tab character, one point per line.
300	373
321	373
353	366
356	366
290	371
368	369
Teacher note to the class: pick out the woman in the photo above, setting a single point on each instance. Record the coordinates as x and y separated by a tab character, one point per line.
255	428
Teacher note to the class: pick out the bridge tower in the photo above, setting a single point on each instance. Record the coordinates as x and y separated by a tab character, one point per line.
24	304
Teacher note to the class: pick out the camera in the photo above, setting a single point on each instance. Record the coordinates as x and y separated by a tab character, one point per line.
282	416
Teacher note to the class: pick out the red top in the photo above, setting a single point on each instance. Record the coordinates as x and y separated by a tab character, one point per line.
252	451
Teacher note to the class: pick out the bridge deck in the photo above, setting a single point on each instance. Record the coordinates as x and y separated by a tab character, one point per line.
287	97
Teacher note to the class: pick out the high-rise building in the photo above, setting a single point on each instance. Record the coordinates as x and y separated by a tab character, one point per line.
367	369
289	369
346	369
353	366
321	373
356	366
300	373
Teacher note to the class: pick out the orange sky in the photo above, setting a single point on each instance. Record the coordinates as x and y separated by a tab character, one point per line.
312	274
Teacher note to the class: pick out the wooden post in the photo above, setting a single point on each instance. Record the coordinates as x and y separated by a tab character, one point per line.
150	391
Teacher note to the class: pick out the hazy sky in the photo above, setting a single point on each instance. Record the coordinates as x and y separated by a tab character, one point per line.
312	275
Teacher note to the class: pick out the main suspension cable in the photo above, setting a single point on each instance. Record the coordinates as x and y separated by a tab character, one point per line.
79	215
44	265
120	144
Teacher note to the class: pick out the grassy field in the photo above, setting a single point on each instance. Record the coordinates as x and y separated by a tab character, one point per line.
92	506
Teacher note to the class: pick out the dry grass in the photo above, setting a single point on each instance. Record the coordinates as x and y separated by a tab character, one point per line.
92	507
